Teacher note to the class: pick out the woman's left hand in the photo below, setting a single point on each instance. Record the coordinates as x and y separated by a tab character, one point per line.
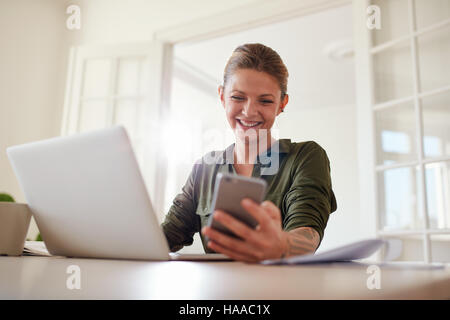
267	241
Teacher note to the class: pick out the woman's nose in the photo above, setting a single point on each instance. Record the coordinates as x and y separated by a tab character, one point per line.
249	109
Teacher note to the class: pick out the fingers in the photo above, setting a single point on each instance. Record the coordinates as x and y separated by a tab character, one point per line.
237	246
253	244
232	254
271	209
255	211
262	213
237	227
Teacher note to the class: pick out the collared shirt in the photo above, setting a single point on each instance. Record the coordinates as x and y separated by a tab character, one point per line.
298	183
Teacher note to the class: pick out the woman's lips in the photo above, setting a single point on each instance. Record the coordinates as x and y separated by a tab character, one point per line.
245	125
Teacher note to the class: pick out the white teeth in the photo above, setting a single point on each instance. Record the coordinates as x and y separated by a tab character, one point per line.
249	124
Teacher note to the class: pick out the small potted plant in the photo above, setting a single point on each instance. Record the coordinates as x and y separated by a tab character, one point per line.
14	222
4	197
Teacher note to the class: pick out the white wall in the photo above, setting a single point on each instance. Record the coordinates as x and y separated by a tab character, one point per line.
121	21
32	65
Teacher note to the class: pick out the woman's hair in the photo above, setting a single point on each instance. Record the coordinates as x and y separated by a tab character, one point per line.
258	57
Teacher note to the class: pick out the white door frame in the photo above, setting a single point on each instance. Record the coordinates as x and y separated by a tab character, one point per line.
369	223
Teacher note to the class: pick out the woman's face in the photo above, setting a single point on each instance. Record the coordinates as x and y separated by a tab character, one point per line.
252	101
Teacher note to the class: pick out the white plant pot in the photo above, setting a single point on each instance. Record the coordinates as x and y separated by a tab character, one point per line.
14	222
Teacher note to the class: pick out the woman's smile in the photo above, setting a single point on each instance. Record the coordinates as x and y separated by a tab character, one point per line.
248	124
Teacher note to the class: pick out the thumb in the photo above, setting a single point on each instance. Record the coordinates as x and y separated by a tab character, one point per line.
272	210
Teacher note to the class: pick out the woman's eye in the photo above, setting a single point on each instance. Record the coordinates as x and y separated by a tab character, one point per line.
237	98
266	101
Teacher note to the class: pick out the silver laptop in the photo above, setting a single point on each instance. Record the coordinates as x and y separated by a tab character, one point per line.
89	199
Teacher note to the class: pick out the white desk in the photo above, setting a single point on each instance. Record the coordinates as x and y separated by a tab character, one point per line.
45	278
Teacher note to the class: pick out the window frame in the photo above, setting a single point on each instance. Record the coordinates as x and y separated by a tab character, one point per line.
370	118
154	52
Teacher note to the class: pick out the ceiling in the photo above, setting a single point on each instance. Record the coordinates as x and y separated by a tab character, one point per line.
311	47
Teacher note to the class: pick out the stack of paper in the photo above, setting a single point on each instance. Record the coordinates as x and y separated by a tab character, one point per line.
354	251
35	248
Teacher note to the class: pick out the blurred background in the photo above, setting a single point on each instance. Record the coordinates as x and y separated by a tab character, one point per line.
376	97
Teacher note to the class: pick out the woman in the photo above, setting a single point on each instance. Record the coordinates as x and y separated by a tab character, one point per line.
299	198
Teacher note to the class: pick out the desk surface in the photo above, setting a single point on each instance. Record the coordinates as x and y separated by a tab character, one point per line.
45	278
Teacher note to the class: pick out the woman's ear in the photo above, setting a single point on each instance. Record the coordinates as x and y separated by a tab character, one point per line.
283	103
220	90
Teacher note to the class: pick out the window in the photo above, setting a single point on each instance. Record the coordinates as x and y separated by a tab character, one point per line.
411	115
118	85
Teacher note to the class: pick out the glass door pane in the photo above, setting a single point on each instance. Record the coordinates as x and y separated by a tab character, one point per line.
393	78
96	78
437	176
125	113
440	248
434	57
394	20
436	125
93	115
429	12
396	134
398	195
128	76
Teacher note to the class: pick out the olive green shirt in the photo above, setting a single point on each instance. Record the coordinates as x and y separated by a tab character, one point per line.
298	183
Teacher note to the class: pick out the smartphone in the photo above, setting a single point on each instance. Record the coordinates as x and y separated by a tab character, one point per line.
229	190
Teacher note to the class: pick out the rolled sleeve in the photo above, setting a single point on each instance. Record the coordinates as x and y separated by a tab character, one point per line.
310	199
181	222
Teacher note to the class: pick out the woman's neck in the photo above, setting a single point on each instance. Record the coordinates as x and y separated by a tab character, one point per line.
246	152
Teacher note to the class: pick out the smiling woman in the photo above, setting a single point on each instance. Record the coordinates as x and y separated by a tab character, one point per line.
299	197
253	94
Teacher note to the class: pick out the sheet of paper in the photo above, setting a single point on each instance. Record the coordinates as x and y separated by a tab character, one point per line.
354	251
35	248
